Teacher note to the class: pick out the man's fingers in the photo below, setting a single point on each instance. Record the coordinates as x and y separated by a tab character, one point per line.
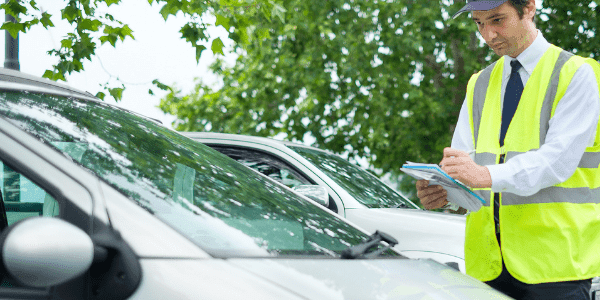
433	197
429	190
421	184
433	203
449	152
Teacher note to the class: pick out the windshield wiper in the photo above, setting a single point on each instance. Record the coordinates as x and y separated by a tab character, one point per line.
401	204
358	251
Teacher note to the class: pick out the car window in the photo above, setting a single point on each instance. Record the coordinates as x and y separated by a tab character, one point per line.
222	206
23	198
270	166
266	164
360	184
20	198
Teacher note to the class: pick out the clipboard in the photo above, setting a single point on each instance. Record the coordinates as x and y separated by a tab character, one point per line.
458	193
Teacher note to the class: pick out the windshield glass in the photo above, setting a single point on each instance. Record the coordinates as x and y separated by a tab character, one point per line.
222	206
360	184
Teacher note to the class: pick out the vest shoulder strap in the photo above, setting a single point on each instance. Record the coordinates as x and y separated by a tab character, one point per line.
477	96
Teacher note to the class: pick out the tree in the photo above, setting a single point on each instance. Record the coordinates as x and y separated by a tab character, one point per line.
383	80
92	28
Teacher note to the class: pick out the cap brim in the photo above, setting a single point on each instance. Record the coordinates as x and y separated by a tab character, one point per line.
478	5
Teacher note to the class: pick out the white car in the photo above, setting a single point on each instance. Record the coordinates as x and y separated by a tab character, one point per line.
353	192
99	203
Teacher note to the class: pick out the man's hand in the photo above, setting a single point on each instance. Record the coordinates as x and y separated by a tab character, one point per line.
431	196
459	165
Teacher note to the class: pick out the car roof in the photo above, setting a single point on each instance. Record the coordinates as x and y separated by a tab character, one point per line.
246	138
18	81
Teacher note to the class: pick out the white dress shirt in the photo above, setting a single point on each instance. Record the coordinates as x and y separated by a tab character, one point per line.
571	130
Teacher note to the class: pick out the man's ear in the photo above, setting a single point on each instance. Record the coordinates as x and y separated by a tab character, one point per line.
530	9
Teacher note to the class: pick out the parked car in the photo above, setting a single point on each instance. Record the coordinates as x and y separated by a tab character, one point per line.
354	193
100	203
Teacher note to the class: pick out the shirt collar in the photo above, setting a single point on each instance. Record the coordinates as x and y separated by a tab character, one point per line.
530	56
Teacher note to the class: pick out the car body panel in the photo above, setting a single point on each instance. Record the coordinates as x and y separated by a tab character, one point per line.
417	231
369	279
204	279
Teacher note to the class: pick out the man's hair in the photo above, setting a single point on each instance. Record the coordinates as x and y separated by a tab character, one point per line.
519	5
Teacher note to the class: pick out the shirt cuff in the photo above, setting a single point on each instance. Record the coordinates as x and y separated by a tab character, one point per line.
500	180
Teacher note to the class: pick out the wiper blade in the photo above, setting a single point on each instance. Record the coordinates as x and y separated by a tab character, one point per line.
358	251
401	204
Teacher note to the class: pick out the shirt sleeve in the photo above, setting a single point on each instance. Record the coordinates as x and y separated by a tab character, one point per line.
571	130
462	138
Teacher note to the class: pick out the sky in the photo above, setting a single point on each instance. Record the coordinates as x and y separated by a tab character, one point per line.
158	52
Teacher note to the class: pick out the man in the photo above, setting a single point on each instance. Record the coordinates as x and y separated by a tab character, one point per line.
538	235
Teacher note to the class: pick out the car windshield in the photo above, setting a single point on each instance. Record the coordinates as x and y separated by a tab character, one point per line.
225	208
360	184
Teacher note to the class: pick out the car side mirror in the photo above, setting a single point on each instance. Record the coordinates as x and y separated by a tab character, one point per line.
44	251
314	192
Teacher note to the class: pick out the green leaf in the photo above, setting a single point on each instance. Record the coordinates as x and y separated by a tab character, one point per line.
111	2
116	93
45	19
193	33
223	21
88	24
70	13
199	50
100	95
66	43
112	39
216	46
126	32
47	74
278	11
160	85
13	28
263	33
54	75
14	8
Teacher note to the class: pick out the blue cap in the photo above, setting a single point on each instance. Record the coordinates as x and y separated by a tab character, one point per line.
479	5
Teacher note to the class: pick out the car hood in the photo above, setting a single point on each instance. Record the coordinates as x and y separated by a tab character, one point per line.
368	279
415	230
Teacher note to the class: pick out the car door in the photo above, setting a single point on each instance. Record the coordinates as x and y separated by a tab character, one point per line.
37	181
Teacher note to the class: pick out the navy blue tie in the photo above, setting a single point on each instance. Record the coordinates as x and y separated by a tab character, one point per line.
512	95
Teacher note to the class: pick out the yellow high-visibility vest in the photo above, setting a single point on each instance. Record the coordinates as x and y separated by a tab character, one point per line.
553	235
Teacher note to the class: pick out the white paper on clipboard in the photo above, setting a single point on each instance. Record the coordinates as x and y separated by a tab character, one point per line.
458	193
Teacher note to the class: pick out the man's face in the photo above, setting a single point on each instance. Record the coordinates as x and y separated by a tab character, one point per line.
503	30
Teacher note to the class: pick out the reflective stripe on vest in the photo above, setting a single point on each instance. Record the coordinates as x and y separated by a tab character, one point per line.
553	234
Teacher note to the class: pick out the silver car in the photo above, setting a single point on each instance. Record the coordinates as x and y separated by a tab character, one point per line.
354	193
100	203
